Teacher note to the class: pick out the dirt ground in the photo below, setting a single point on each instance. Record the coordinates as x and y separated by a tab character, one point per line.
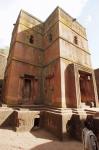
37	140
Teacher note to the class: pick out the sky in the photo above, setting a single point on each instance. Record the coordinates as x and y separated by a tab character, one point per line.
86	12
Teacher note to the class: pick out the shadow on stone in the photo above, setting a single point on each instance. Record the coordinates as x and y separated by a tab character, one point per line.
7	119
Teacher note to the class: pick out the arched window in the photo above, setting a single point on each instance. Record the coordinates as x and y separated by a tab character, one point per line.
75	40
31	39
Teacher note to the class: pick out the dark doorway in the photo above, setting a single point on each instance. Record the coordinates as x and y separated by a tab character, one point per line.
86	88
36	123
26	90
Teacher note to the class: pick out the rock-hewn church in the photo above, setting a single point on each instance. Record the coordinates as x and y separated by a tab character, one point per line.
49	69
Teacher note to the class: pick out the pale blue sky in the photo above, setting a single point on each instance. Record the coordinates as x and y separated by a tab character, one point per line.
86	12
90	19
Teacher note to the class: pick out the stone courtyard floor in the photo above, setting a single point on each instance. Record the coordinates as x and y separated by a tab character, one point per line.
37	140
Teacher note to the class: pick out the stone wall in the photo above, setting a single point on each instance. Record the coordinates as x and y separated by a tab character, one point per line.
14	86
51	84
25	120
3	61
52	122
96	71
73	40
72	23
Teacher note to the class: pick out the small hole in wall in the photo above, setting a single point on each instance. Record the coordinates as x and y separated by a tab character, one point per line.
50	37
75	40
31	39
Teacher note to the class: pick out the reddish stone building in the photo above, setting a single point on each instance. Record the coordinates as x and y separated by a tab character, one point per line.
49	64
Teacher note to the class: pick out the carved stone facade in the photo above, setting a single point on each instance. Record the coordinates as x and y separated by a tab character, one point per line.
49	64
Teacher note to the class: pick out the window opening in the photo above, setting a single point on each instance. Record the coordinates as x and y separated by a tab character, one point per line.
75	40
50	37
31	40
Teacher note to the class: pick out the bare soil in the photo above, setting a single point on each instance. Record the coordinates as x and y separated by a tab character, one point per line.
37	140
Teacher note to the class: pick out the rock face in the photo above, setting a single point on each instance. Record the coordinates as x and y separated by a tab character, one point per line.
49	64
96	71
3	62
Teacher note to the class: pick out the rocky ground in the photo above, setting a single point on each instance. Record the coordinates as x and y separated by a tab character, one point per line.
37	140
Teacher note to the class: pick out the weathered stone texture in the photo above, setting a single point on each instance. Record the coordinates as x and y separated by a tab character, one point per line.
66	33
7	117
25	120
51	20
32	56
52	53
3	61
73	25
24	34
17	76
52	122
30	21
96	71
74	54
54	31
52	84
